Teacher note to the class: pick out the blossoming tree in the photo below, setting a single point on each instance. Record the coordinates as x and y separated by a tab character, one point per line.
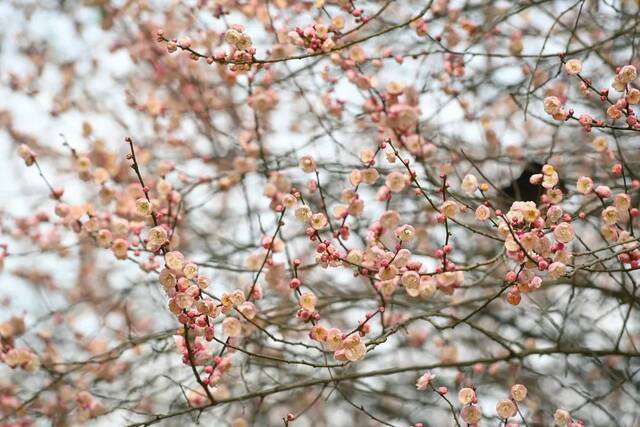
320	213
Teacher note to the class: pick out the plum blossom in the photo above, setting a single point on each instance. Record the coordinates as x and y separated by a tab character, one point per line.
423	382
